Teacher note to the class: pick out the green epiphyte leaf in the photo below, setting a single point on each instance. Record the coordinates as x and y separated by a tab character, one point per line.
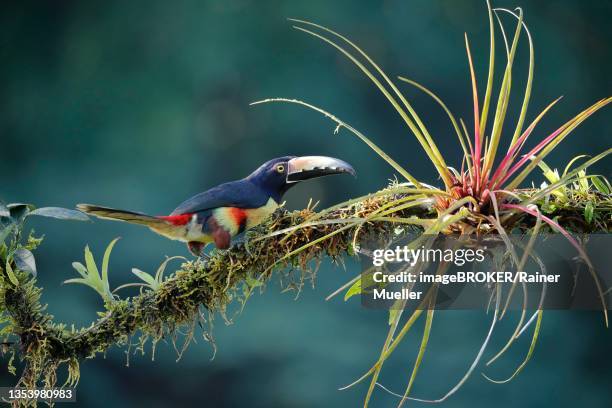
105	260
91	274
60	213
599	184
394	314
588	212
24	261
145	277
11	274
18	211
355	289
5	230
80	268
4	211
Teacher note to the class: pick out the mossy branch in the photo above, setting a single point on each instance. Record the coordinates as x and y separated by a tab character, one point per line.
210	284
291	243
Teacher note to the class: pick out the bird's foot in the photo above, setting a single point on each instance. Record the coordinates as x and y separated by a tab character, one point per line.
196	249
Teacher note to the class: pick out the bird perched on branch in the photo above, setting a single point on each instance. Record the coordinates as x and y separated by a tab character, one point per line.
219	214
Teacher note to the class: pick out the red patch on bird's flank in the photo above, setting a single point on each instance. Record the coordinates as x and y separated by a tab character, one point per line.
181	219
238	215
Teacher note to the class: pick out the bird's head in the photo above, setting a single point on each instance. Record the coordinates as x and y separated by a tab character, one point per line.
276	176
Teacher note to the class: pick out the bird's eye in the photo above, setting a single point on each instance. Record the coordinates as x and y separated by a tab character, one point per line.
280	168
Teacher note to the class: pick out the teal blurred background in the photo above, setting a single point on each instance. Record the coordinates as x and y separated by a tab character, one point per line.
140	104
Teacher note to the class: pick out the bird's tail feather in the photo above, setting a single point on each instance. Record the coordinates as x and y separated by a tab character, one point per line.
121	215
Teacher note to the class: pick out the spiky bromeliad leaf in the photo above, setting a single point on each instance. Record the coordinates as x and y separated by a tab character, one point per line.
556	227
479	156
601	184
409	115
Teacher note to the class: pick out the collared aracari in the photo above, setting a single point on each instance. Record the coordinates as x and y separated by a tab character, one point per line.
219	214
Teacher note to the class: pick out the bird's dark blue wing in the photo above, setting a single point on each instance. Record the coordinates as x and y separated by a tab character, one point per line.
240	194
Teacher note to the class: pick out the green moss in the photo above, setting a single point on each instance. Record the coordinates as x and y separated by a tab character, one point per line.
289	244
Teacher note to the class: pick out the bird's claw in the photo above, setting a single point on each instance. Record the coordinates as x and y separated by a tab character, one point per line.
197	249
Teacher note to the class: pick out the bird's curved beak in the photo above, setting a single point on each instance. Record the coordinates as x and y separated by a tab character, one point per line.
307	167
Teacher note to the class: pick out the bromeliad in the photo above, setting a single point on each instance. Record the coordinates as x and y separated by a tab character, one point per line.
219	214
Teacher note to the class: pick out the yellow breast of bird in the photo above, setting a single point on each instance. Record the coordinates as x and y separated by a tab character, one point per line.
231	218
256	215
